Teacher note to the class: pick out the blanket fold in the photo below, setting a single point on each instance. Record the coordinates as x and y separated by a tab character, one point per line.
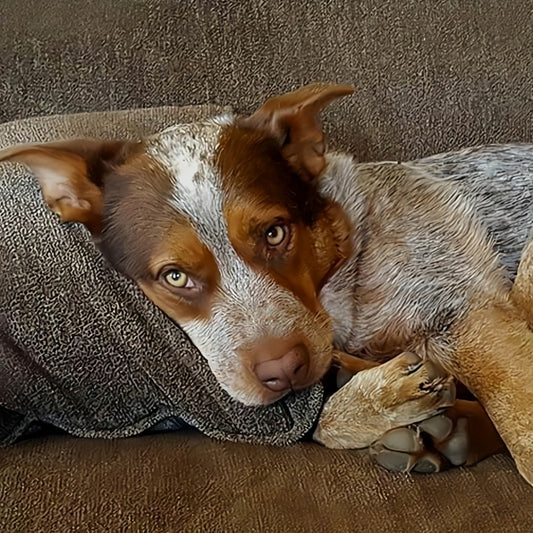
81	347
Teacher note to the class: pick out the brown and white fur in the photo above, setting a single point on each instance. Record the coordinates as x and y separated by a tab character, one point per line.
277	258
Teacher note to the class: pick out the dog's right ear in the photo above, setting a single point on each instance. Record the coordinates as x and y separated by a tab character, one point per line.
71	174
292	120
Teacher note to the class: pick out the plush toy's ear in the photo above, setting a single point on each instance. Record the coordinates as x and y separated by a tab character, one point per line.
71	174
292	119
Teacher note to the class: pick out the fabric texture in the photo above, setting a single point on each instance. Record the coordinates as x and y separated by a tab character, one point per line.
430	77
81	347
182	481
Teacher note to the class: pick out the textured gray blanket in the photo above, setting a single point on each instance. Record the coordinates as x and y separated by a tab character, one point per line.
80	346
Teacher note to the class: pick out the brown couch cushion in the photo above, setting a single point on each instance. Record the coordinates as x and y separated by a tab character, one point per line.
430	76
185	482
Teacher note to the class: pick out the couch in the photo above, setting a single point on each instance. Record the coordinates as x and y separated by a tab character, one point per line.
429	77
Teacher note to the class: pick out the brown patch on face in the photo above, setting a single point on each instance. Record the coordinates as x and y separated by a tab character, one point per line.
181	250
253	168
331	241
145	237
262	191
136	214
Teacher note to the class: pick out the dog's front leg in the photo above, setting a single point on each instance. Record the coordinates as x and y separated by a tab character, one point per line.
351	364
461	436
493	357
363	414
399	392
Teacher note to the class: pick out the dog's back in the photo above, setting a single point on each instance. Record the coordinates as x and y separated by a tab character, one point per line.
498	181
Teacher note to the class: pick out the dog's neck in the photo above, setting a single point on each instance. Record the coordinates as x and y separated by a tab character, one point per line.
340	183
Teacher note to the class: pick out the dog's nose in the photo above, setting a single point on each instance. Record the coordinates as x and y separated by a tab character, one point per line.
287	372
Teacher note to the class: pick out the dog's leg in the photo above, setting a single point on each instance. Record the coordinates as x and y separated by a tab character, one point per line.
522	292
352	363
399	392
493	357
461	435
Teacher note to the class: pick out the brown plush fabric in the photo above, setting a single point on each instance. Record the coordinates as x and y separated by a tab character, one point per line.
185	483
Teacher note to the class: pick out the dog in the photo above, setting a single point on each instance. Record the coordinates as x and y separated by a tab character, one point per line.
277	258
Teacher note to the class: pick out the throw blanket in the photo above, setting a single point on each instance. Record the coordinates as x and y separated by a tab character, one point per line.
81	347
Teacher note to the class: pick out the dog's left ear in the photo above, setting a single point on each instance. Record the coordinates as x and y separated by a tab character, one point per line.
292	119
71	174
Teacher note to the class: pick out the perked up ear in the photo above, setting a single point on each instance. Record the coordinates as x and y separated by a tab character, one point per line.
292	119
71	175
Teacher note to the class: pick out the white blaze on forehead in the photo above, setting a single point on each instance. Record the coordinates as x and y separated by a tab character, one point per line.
187	170
188	151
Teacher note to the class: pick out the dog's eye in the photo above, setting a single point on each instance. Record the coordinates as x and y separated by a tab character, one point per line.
275	235
177	279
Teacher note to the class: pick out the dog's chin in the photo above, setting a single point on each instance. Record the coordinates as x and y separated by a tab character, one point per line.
259	399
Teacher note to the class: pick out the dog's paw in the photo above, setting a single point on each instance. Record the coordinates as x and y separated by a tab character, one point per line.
400	392
412	389
429	446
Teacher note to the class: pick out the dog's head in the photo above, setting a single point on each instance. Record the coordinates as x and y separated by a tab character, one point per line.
221	225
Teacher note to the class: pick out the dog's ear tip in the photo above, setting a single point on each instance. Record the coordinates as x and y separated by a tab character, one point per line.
71	174
340	88
323	92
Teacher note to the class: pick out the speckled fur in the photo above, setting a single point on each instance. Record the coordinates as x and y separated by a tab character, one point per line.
437	244
432	238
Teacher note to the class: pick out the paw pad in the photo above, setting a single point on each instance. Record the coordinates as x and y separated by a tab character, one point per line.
429	446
